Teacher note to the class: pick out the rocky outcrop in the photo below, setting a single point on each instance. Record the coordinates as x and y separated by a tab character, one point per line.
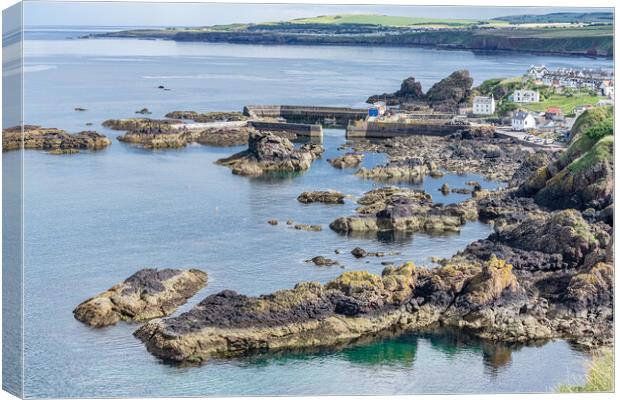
270	153
451	92
487	299
224	136
325	196
413	157
582	177
446	95
410	92
147	294
55	141
348	160
131	124
404	210
207	116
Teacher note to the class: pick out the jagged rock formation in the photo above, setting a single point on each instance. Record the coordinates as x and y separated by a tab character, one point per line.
404	210
325	196
451	92
56	141
131	124
348	160
410	92
445	95
270	153
147	294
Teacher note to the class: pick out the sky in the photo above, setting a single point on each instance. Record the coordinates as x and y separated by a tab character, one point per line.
201	14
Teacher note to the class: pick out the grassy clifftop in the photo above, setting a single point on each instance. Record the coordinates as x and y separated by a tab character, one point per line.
385	30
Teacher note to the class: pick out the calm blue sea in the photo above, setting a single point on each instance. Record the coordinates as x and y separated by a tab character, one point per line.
93	219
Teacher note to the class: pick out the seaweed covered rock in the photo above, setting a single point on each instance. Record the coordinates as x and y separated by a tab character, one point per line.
270	153
323	196
54	140
348	160
214	116
404	210
147	294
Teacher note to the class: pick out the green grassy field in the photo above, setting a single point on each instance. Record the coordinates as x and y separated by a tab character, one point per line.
566	103
384	20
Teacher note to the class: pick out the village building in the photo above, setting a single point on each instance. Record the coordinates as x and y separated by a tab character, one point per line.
607	88
526	96
537	72
523	121
484	105
554	114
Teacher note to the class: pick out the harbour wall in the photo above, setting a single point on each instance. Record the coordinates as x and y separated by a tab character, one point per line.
326	116
394	129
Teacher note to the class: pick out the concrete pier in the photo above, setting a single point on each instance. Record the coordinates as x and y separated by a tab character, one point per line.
326	116
377	129
303	130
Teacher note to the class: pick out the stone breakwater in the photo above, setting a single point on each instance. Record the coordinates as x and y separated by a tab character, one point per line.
405	210
270	153
55	141
147	294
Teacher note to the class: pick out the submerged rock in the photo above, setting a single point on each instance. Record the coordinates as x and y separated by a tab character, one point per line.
327	196
348	160
147	294
270	153
307	227
51	139
217	116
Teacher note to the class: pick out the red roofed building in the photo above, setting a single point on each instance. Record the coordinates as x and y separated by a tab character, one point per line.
554	113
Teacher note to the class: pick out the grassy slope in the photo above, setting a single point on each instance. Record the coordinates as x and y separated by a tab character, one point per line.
600	376
566	103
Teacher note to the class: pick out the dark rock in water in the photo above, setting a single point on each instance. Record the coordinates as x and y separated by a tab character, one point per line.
147	294
290	222
143	111
328	196
410	92
358	252
461	190
89	124
445	189
273	222
322	261
270	153
160	87
79	109
53	140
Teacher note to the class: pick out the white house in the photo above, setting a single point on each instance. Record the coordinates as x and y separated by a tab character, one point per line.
607	88
484	105
523	121
537	72
526	96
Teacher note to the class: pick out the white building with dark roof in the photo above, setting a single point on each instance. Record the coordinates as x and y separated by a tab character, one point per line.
484	105
526	96
523	121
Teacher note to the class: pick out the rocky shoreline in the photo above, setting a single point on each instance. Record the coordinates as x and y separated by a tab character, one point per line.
543	273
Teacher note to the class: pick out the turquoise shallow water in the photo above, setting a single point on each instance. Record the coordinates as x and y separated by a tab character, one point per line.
92	219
